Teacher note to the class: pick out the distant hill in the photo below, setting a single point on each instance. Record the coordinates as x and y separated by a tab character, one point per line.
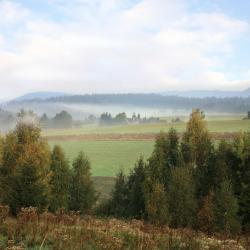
40	95
208	93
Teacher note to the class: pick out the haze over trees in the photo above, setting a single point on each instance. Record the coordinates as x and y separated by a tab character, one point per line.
208	104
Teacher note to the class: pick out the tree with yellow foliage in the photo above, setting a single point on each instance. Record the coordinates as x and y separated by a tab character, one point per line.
25	168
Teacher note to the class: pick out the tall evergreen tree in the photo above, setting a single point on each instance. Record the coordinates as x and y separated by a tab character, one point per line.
118	202
136	199
25	151
82	193
60	180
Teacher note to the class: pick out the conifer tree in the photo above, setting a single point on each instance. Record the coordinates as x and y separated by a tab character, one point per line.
118	203
82	193
136	199
60	180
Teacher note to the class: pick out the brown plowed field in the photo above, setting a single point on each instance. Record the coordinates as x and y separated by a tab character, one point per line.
124	137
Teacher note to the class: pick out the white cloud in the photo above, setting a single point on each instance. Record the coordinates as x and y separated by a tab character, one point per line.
153	45
11	12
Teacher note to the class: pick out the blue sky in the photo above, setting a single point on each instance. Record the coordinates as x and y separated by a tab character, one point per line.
96	46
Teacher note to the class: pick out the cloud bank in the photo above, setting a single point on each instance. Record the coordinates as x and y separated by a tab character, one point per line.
86	46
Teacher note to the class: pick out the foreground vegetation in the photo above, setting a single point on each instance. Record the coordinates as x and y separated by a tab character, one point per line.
31	230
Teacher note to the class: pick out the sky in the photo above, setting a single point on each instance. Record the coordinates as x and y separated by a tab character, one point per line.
114	46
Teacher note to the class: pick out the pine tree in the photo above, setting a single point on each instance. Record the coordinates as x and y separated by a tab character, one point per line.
82	193
226	209
136	199
60	180
182	201
25	159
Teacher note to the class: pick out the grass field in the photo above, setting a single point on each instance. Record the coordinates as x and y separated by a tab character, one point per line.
107	157
214	125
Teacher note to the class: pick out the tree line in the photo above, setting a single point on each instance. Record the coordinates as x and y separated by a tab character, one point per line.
33	175
186	182
121	118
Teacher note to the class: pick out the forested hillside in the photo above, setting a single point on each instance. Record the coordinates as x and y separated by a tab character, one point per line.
215	104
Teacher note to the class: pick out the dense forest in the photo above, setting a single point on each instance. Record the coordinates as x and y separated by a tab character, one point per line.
211	104
188	182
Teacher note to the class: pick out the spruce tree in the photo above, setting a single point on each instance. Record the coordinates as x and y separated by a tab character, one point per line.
59	181
82	193
118	203
136	199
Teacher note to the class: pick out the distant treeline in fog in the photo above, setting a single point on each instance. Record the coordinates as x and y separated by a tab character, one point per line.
228	104
64	119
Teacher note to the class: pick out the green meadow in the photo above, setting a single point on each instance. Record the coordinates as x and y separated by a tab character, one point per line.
108	157
215	124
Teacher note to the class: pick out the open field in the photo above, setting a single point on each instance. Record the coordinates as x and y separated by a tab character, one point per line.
214	125
107	157
110	148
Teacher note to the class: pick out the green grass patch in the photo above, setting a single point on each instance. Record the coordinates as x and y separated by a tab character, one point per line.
107	157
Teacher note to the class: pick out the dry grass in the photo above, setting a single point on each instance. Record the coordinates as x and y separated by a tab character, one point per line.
31	230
